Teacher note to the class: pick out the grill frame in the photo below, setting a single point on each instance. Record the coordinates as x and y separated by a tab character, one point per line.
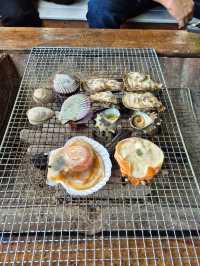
121	208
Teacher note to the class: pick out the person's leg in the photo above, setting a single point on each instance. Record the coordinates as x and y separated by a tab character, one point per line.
19	13
112	13
197	9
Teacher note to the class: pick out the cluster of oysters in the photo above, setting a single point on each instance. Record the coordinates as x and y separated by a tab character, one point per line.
103	99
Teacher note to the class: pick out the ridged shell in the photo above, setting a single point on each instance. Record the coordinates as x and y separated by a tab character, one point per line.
65	84
102	153
43	96
38	115
139	159
104	97
135	81
142	101
75	108
94	85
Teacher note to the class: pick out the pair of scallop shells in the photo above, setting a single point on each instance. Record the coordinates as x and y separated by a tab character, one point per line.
82	166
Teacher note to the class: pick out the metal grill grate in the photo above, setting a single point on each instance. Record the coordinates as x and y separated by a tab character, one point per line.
119	225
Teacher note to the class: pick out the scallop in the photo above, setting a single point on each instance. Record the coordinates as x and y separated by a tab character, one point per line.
38	115
75	108
135	81
93	85
65	83
104	97
142	101
43	96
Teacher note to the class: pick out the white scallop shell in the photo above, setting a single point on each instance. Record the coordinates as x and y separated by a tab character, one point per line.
107	164
65	84
38	115
75	108
43	95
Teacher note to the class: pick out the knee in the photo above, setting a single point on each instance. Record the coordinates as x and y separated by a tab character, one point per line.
18	17
101	16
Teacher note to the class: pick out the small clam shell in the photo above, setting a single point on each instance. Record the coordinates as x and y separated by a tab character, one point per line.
75	108
65	83
43	96
38	115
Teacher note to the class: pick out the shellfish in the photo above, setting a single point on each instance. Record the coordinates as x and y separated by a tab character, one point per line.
65	83
82	166
106	97
135	81
75	108
43	96
93	85
148	123
38	115
139	159
142	101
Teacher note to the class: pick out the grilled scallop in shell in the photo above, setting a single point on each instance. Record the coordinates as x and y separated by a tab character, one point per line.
135	81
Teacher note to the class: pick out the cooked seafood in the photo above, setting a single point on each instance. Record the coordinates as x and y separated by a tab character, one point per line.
139	159
104	97
65	83
74	108
43	96
135	81
82	166
142	101
93	85
38	115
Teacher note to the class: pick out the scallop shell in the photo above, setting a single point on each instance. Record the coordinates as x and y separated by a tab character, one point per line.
142	101
75	108
93	85
43	96
139	159
65	83
38	115
135	81
104	97
104	155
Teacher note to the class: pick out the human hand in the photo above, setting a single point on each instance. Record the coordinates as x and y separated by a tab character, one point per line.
181	10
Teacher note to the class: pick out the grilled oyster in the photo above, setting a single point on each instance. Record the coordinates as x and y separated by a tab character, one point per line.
38	115
104	97
43	96
142	101
93	85
135	81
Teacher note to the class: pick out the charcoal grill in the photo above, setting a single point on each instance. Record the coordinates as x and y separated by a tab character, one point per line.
119	225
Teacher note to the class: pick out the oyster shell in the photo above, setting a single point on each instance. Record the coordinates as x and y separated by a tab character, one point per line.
38	115
148	123
139	159
65	83
135	81
104	97
75	108
93	85
142	101
106	120
82	166
43	96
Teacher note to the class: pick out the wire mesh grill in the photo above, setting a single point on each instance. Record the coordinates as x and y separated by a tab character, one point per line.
120	224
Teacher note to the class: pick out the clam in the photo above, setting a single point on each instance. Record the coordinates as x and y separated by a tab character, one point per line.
75	108
106	97
142	101
135	81
65	83
43	96
147	123
106	121
82	166
38	115
94	85
139	159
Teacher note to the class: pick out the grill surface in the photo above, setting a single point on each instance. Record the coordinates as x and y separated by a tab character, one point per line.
119	225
